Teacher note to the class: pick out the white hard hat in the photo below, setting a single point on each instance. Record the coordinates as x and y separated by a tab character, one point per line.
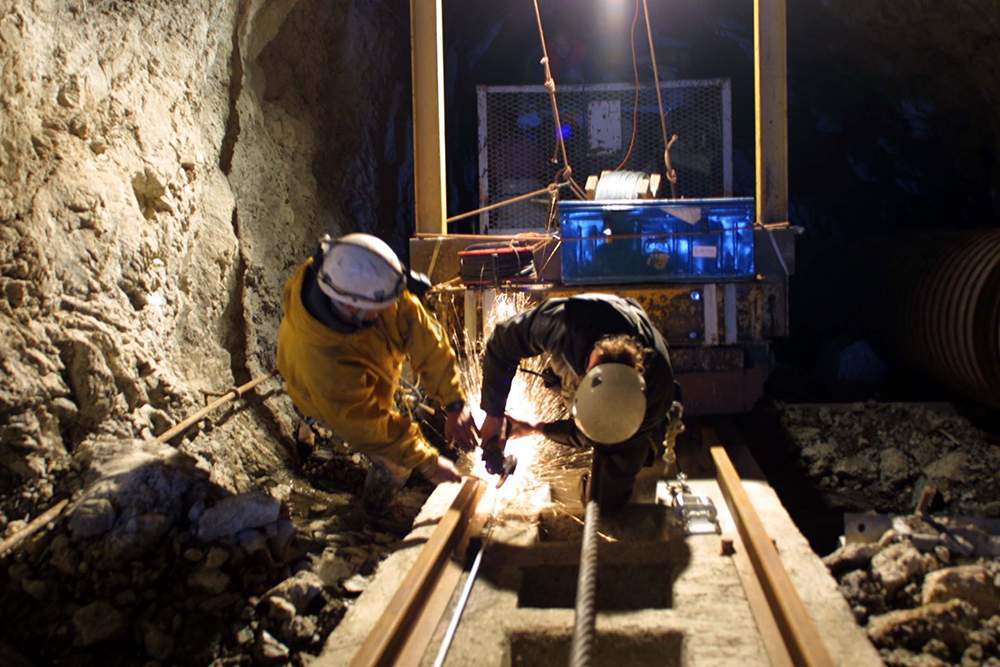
360	270
610	403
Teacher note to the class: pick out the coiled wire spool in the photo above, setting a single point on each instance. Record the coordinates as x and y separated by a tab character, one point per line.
622	185
952	321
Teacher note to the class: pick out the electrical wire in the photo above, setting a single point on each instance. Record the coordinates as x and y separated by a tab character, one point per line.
671	173
635	99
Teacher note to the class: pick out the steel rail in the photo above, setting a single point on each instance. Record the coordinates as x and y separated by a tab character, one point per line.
394	639
797	628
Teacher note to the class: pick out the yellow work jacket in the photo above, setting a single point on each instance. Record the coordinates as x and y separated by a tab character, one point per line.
349	380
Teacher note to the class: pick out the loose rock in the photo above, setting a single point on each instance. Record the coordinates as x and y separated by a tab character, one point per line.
269	650
96	622
897	564
300	590
158	643
912	628
92	517
968	582
209	580
235	513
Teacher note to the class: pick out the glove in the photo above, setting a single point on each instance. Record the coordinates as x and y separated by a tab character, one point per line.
439	471
493	456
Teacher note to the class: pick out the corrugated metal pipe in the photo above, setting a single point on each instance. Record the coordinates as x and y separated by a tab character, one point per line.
951	321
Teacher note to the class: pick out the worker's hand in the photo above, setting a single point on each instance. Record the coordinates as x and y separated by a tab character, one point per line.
490	427
493	455
519	429
460	429
439	471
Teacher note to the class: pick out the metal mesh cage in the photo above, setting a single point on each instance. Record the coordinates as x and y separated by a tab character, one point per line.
517	147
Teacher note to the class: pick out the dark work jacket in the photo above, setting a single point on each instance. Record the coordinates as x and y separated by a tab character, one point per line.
570	327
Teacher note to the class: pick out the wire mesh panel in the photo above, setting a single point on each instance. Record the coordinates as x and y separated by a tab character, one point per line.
518	151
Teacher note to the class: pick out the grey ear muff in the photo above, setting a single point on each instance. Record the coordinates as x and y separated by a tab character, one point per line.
610	403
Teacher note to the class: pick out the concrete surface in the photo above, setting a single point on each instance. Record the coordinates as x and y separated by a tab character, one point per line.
669	599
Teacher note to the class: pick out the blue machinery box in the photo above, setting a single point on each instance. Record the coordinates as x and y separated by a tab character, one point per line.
656	240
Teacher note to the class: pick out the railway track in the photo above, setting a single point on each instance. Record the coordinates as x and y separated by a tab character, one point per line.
713	572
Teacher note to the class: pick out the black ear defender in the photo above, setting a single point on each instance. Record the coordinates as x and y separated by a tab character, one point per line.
418	283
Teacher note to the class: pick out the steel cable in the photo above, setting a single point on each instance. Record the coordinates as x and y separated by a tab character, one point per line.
585	613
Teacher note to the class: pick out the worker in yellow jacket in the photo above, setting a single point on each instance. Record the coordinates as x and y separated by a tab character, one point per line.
349	323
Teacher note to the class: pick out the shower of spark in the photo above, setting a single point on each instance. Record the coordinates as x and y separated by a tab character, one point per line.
541	463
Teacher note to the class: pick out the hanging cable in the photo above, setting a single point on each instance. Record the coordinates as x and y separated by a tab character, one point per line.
635	99
550	86
671	173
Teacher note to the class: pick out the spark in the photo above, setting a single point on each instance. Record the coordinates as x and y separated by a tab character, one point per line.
542	465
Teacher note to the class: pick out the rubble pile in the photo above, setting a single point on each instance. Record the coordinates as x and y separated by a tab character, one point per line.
880	456
154	564
928	592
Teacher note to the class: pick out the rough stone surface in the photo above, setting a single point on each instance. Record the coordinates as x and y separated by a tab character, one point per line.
94	516
332	568
164	166
879	456
945	621
971	583
210	581
158	643
897	564
96	622
300	590
851	557
269	650
235	513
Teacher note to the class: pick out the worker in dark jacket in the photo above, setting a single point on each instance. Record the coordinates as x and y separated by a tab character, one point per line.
614	373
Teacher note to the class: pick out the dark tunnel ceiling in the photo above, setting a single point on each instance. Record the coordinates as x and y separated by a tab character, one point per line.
877	139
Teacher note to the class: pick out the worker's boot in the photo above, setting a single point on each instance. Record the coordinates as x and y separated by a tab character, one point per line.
382	484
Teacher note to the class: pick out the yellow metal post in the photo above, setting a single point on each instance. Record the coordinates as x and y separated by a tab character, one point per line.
771	98
427	61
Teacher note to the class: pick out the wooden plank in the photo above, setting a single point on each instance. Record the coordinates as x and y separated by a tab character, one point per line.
390	634
771	109
427	66
797	628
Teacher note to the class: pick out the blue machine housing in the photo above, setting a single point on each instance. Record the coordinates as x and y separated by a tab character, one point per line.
656	240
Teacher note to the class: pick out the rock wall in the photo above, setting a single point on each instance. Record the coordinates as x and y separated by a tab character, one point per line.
164	166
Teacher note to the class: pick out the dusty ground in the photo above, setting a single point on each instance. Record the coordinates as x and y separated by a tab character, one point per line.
879	456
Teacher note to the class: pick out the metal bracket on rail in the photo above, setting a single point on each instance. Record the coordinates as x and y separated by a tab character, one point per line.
697	513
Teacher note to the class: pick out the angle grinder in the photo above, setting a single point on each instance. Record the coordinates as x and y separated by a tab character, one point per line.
493	456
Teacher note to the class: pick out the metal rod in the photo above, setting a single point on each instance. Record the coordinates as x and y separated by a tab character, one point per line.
392	630
513	200
459	608
182	426
586	590
39	522
796	626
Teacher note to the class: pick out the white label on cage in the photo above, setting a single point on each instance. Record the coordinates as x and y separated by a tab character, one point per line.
605	125
704	251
